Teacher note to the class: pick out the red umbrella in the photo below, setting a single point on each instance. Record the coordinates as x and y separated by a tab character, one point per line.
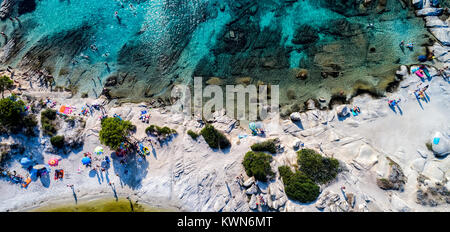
53	162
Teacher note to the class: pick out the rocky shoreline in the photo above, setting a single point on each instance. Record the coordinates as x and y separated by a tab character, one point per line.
385	162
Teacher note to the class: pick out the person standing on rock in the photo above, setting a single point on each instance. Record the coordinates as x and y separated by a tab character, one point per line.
402	46
116	14
4	36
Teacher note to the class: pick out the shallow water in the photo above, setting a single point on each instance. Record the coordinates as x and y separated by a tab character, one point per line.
101	205
159	43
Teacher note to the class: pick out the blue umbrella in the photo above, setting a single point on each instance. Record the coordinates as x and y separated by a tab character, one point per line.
422	58
86	160
25	161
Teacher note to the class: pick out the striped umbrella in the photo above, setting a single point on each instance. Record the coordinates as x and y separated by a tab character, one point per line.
53	162
98	150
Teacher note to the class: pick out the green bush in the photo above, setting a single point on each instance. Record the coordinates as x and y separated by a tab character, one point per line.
319	169
257	164
429	146
298	186
47	118
5	83
13	118
193	135
114	131
11	113
49	114
268	146
214	138
57	141
29	123
285	171
166	131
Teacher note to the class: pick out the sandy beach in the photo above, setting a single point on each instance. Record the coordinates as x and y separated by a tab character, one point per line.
187	175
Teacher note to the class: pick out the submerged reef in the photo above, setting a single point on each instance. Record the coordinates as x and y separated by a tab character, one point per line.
139	49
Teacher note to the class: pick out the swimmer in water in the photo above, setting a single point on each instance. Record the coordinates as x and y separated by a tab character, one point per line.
116	14
93	47
410	46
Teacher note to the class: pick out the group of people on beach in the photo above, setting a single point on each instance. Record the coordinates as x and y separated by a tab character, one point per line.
420	92
409	45
13	176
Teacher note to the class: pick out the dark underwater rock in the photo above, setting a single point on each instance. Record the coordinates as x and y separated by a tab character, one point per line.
342	28
111	81
26	6
63	46
344	7
305	34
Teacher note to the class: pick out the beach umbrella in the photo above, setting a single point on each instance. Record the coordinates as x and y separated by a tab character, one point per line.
53	162
259	125
86	160
39	167
25	161
98	150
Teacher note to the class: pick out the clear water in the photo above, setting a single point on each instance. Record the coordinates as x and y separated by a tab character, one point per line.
159	43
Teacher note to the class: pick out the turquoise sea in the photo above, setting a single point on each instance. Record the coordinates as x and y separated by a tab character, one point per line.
148	46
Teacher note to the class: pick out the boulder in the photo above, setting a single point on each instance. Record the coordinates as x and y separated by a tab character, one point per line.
435	21
418	4
403	72
367	156
6	8
295	117
310	104
434	3
440	144
442	34
395	180
249	182
418	165
252	204
430	12
252	190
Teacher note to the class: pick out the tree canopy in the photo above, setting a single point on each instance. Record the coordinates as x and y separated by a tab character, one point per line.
114	131
5	83
257	164
214	138
318	168
11	112
298	186
13	117
268	146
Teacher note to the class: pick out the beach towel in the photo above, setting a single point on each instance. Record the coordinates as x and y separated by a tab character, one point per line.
419	74
436	140
65	110
425	70
242	136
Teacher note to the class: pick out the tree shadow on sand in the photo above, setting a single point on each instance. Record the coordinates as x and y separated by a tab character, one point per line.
132	171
